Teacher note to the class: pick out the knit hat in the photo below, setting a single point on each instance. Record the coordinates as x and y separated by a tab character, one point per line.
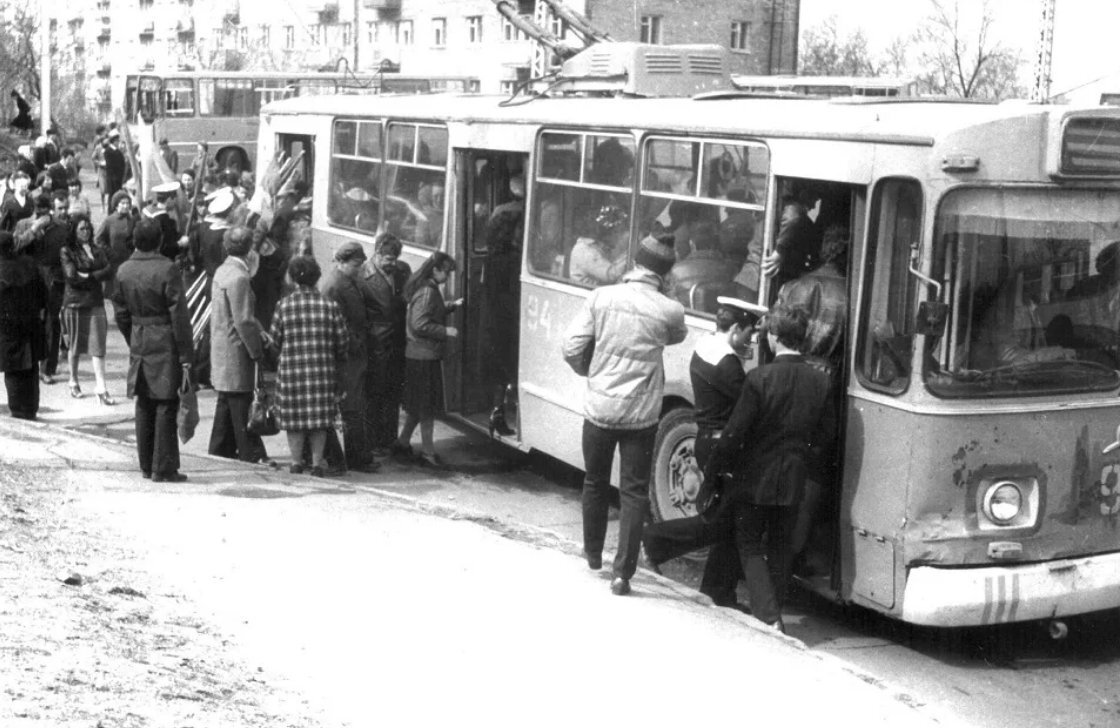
656	254
349	251
117	197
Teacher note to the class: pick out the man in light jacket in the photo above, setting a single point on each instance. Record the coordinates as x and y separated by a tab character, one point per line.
625	326
236	346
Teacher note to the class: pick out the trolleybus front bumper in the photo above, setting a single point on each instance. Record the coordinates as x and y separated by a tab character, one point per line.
963	597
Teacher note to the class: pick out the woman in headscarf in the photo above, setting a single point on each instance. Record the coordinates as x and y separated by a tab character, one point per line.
23	309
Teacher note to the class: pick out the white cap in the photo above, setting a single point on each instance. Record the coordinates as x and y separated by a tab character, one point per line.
166	187
732	302
220	202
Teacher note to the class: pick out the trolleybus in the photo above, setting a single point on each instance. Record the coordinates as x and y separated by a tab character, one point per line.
222	108
980	453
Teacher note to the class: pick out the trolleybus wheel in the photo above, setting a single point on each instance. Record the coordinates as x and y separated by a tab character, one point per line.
676	477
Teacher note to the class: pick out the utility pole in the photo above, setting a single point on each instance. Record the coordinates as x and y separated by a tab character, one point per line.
44	68
1040	91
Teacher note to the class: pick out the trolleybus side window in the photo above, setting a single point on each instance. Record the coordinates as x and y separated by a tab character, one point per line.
890	290
1031	278
582	200
415	174
178	95
709	195
355	179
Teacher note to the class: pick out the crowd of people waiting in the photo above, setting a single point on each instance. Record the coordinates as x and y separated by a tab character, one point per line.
231	301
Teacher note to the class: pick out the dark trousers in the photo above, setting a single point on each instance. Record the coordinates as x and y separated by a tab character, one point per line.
762	537
230	437
23	393
52	327
157	442
635	448
354	435
716	532
384	383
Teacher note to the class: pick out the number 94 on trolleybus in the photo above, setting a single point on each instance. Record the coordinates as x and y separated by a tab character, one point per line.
977	476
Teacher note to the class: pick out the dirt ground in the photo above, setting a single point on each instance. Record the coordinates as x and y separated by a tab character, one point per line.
85	640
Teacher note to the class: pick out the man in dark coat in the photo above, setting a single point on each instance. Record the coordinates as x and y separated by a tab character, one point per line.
115	165
386	276
149	304
157	210
345	286
781	422
45	236
798	244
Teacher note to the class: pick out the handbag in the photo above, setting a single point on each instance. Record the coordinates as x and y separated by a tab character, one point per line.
264	415
187	419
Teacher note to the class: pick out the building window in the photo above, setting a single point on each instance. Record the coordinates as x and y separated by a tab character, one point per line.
439	31
371	32
266	36
289	36
146	40
347	33
146	4
404	32
474	28
243	38
740	35
651	29
316	33
555	25
510	31
219	39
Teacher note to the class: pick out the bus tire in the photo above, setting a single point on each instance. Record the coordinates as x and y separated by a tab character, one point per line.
675	478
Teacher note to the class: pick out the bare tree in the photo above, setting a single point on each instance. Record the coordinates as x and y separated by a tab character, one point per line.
825	52
19	48
961	61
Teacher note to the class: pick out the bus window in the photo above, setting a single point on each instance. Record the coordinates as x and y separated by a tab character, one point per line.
890	289
178	96
355	176
227	97
581	225
708	195
1031	276
416	169
148	98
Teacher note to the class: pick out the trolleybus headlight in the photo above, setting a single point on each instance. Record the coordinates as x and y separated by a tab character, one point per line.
1002	502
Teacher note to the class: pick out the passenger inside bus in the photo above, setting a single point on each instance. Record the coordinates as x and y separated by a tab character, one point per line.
698	279
600	258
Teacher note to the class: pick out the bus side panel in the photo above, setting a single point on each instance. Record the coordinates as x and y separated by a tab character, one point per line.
550	394
877	457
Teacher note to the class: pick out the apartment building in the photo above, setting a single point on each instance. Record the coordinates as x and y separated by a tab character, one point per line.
97	42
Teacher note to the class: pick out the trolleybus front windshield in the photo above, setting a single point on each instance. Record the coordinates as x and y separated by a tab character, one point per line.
1032	278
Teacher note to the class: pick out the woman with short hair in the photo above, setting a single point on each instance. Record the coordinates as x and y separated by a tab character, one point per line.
311	336
84	323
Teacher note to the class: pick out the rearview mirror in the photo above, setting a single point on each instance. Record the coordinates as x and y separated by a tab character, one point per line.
931	318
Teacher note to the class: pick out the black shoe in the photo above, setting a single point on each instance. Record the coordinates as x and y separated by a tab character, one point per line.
146	474
399	450
594	562
296	468
370	467
498	423
175	477
619	586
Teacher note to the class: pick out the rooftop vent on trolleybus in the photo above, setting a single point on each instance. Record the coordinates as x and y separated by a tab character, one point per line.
641	69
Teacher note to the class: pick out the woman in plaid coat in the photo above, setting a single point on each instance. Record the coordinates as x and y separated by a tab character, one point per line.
312	339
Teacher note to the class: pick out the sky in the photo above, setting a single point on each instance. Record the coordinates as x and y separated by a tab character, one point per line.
1085	31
